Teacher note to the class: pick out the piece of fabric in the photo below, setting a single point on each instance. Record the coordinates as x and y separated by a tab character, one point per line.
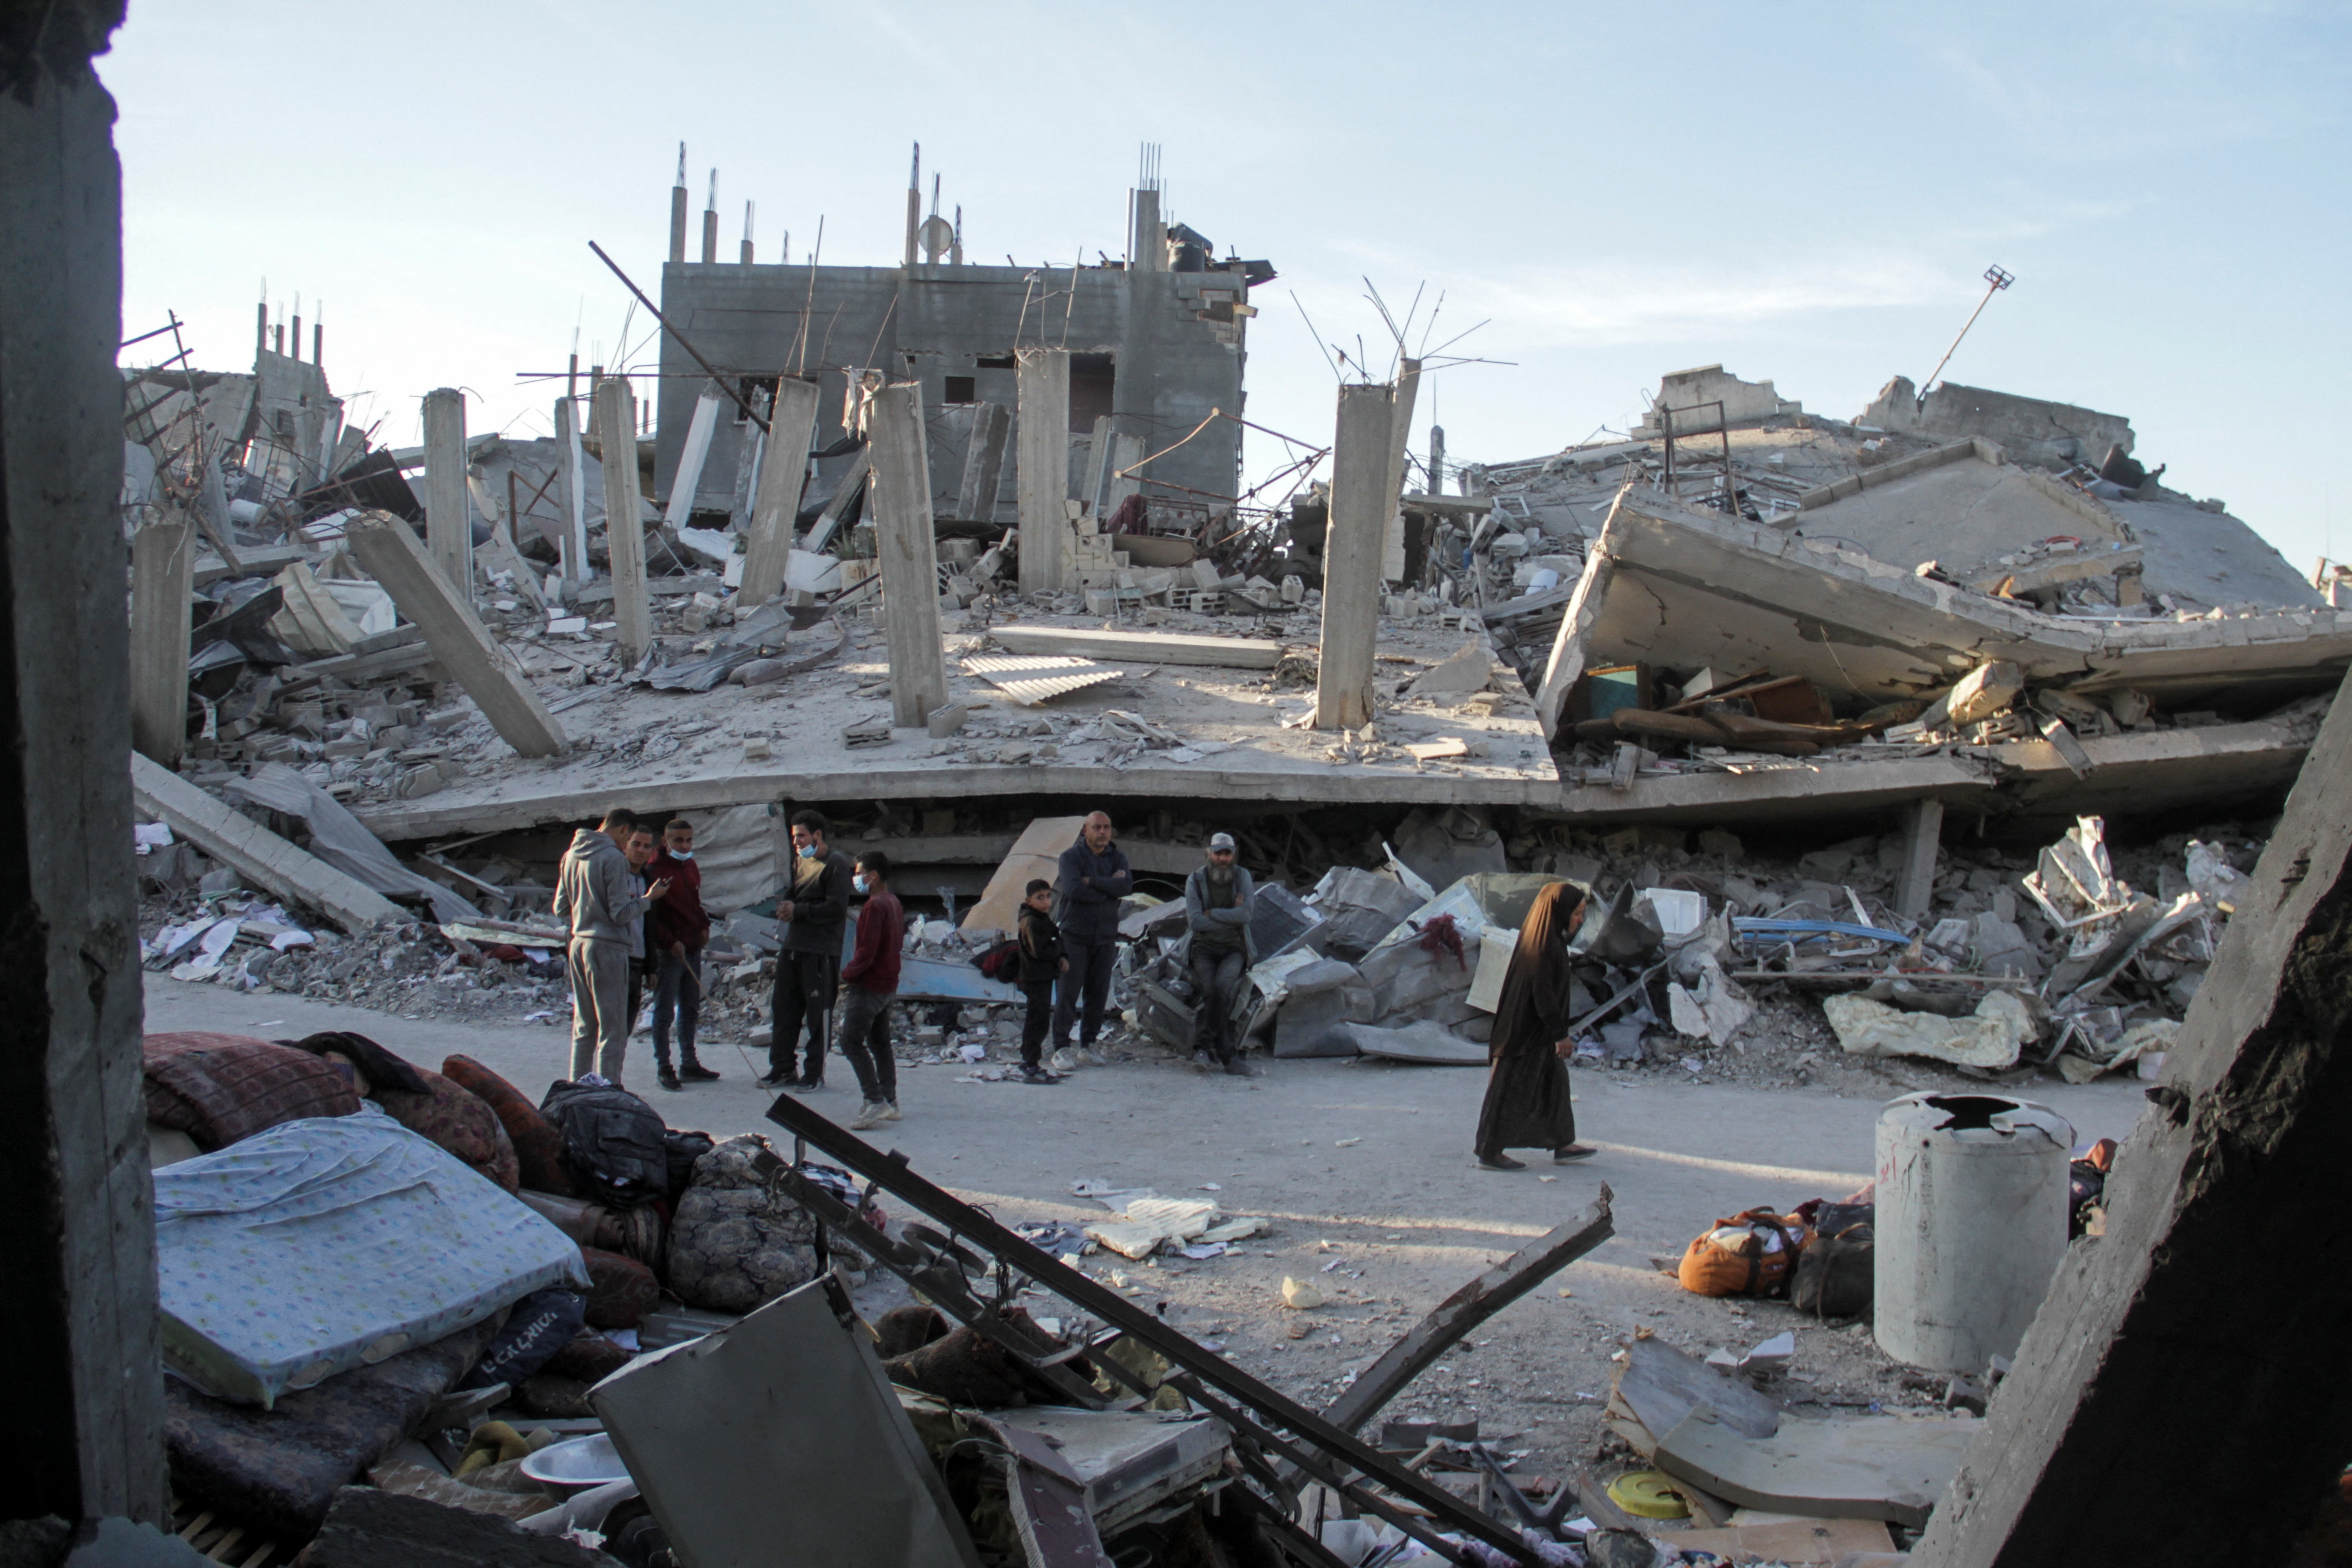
599	973
1217	907
381	1069
614	1142
678	1003
275	1471
620	1291
538	1146
1216	977
1088	889
458	1121
1088	981
1527	1103
820	899
316	1245
1041	948
220	1089
737	1242
639	885
541	1324
592	892
677	915
865	1042
881	932
805	986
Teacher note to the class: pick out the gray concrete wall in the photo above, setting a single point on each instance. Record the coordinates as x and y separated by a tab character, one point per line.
1169	341
2030	429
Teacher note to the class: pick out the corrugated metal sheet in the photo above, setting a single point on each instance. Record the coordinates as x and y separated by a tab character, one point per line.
1032	678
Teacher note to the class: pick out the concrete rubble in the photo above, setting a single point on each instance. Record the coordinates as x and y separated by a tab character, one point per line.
1948	734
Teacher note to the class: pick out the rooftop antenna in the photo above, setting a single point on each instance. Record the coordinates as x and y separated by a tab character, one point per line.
955	246
914	204
935	196
1997	280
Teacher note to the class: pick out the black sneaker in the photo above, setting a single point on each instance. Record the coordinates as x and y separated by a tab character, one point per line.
805	1085
667	1079
695	1072
1240	1068
781	1077
1038	1077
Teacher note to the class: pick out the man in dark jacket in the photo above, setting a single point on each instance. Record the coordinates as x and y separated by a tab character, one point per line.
677	929
1094	877
1217	912
814	910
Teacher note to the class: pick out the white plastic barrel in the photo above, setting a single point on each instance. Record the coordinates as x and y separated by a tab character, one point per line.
1970	1222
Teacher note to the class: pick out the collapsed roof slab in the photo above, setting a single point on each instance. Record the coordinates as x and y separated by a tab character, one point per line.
2154	773
1786	791
2032	428
1692	589
1964	506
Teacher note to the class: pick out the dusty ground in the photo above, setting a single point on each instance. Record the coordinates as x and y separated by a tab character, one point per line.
1366	1173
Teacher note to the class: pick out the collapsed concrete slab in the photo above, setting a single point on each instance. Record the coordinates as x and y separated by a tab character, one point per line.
2032	428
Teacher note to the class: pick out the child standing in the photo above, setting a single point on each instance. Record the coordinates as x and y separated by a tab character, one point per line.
1041	964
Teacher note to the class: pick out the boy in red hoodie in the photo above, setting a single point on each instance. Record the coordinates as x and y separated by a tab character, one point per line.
868	982
677	929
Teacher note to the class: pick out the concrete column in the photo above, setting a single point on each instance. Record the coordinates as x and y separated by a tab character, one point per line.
1408	386
749	452
161	555
909	555
448	514
1568	648
1362	495
1437	459
1150	240
1915	881
689	477
83	1437
983	463
1099	449
783	472
572	485
383	545
1044	469
624	528
677	208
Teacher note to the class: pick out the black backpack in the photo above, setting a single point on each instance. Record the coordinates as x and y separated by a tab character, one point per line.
613	1144
1834	1278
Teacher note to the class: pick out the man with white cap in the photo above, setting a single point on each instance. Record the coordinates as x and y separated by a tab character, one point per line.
1217	907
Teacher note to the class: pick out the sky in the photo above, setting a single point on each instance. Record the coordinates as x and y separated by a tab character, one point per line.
1803	192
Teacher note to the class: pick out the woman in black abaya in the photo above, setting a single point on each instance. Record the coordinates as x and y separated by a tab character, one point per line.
1526	1077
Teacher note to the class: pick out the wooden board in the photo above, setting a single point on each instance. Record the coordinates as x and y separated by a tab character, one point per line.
1036	853
1141	648
1870	1466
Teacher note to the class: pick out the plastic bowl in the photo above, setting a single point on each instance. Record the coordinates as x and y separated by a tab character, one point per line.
582	1462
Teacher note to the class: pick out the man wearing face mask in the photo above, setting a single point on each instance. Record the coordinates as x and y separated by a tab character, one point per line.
814	910
678	928
868	982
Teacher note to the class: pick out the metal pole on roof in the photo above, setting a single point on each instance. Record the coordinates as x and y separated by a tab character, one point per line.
1998	279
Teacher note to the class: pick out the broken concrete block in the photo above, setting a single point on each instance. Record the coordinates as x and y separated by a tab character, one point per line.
1986	690
945	721
1990	1038
1465	671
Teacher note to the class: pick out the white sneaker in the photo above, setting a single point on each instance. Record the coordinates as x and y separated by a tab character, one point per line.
1065	1060
890	1110
871	1114
1095	1058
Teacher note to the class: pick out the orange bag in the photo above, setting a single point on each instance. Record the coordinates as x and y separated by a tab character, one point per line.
1750	1254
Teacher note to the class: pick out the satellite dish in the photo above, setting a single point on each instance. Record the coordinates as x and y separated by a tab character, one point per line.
935	235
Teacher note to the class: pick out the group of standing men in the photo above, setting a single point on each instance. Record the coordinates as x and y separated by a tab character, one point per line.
634	912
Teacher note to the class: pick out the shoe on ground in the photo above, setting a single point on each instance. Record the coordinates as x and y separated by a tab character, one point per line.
695	1072
1039	1076
1240	1068
890	1110
870	1114
1502	1163
668	1080
1095	1056
1205	1061
1065	1060
805	1085
776	1080
1572	1153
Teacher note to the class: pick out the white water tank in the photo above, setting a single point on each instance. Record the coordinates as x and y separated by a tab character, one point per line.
1970	1222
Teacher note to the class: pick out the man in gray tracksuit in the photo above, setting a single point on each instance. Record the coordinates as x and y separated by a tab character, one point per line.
596	896
1217	912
